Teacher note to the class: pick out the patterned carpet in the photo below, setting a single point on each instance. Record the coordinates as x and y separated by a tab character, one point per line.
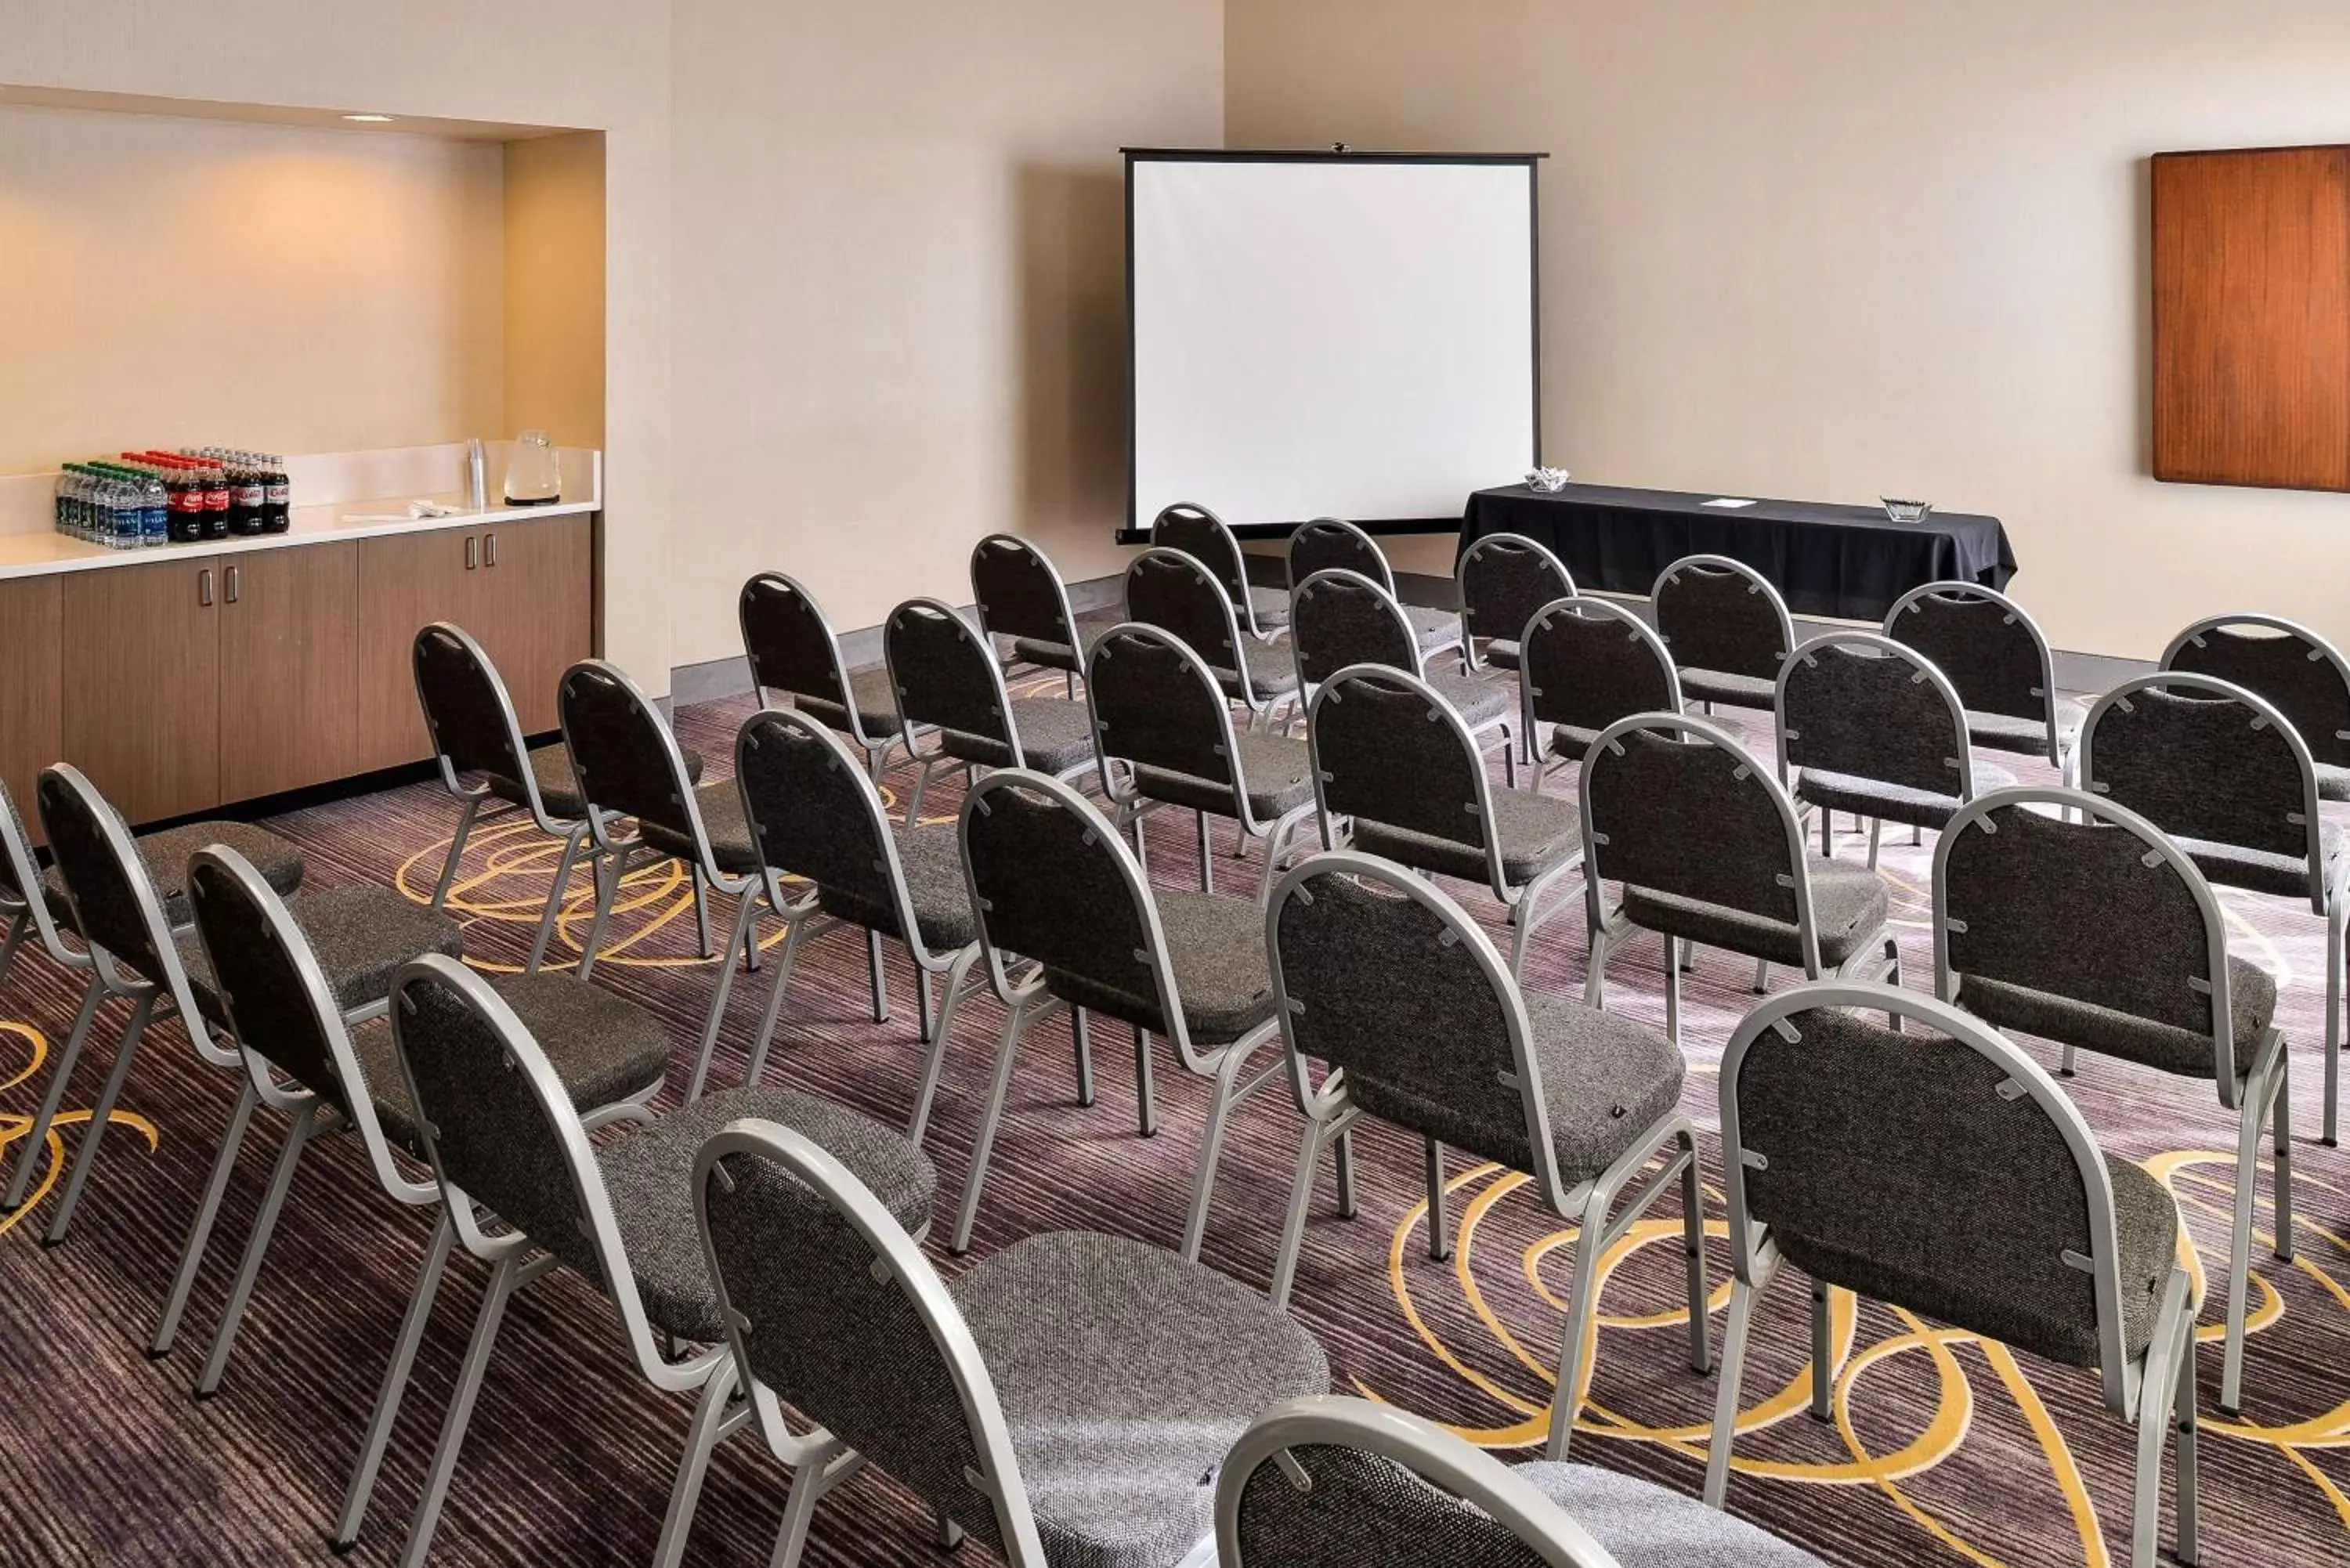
1943	1449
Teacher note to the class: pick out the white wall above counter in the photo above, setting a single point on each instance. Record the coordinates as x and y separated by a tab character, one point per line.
338	495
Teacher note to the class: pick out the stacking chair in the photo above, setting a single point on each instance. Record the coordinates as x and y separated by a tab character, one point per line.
1172	591
1054	884
2225	773
471	718
1204	537
1504	579
301	1059
1392	987
1159	715
1587	663
1869	726
2300	673
1728	628
1064	1401
361	935
946	678
1707	849
1946	1174
1021	599
793	651
1329	543
2100	934
1341	618
1998	660
498	1128
1344	1481
816	818
1393	756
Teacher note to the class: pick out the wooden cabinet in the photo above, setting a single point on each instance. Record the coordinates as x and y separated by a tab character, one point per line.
140	649
533	612
31	695
289	669
406	582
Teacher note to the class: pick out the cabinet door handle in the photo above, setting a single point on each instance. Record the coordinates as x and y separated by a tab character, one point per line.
471	544
490	549
232	584
205	587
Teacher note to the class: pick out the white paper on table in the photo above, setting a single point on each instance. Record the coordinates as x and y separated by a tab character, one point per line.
1728	503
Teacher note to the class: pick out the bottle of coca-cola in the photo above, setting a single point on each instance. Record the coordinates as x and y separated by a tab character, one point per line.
277	495
248	496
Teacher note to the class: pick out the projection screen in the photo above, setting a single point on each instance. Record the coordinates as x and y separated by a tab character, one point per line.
1352	335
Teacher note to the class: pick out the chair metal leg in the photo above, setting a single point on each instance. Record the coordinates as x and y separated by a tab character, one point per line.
793	934
709	1426
1439	1227
1693	1248
2334	1004
702	913
1742	1297
503	1280
1207	855
456	850
18	923
1081	1041
956	977
1594	977
1292	1225
36	1137
1876	835
1582	1307
923	1001
1917	836
1822	1372
273	1203
101	1114
2281	1171
2182	1410
1761	976
2064	1062
1230	1092
1673	995
1827	834
1146	1109
1014	1025
2240	1251
1343	1159
816	1475
395	1384
200	1229
748	908
555	896
880	985
611	871
2157	1394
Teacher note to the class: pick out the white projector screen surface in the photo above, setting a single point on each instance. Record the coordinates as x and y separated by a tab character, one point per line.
1330	335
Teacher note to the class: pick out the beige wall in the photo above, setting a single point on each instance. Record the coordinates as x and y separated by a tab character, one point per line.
1834	248
899	240
555	287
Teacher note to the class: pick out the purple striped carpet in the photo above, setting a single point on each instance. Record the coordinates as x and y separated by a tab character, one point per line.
1943	1449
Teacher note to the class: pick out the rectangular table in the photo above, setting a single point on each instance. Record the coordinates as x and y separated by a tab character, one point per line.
1850	563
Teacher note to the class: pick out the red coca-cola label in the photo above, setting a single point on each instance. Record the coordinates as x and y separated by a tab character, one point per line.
187	500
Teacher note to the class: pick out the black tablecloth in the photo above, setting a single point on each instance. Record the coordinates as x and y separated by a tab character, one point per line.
1846	562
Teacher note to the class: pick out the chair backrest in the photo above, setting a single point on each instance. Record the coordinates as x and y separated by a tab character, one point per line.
2298	671
1377	973
2106	910
792	650
1332	544
1944	1156
1723	614
1020	593
1155	704
1341	618
1853	702
1051	880
1673	805
1172	591
2201	758
1588	662
115	906
20	881
467	709
1991	648
1504	579
1387	748
830	1306
945	674
814	814
627	760
1207	539
1380	1484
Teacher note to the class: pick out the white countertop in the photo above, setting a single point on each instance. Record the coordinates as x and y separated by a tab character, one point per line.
39	554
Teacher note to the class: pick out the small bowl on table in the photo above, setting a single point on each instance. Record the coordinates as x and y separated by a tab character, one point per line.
1906	511
1547	481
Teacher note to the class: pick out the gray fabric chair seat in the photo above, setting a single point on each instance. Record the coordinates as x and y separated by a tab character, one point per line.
2258	870
2333	782
1057	655
1537	833
558	787
1432	627
649	1176
1479	702
1645	1525
1215	945
1892	802
877	704
932	858
1276	769
1055	736
1502	653
730	844
2026	737
1930	1273
1721	686
1606	1080
1125	1374
2251	1001
1571	743
361	935
1849	905
165	856
1269	605
604	1048
1271	677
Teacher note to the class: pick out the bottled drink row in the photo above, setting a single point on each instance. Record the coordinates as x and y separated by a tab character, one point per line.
149	498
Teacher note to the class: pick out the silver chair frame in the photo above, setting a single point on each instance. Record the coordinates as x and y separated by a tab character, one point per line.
1028	1003
2329	897
938	761
1756	583
1338	577
1546	1531
1581	608
2150	1390
1522	901
1874	957
876	747
1242	690
2253	1096
1330	1114
2059	750
1922	670
1471	662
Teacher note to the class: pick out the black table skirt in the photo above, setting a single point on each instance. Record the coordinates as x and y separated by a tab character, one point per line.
1850	563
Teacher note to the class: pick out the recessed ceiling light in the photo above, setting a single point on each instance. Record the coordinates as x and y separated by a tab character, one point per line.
369	118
